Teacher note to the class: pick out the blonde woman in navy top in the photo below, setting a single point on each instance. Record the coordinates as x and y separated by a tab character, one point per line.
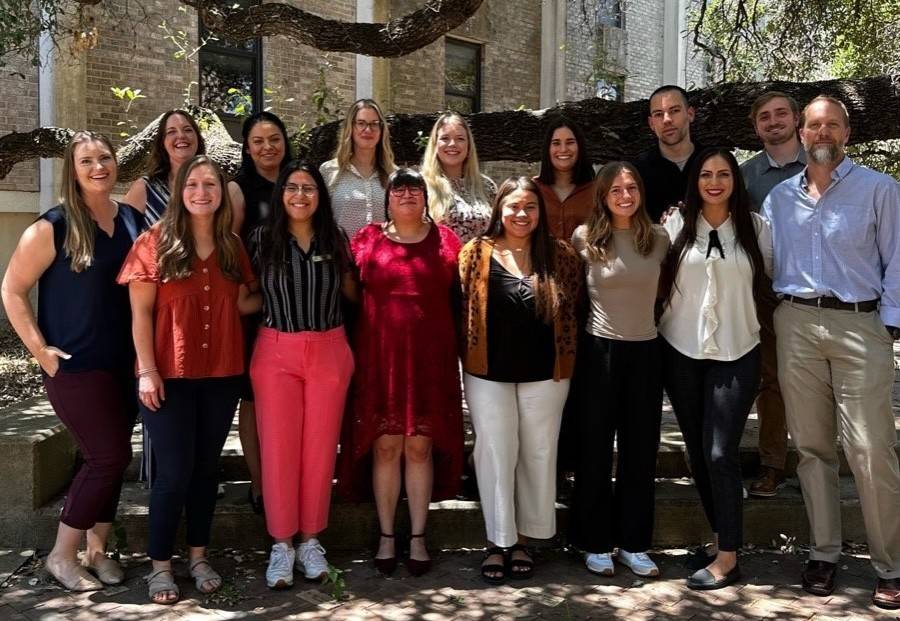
81	339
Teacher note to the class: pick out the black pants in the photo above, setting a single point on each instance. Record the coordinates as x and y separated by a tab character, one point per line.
188	433
620	399
712	400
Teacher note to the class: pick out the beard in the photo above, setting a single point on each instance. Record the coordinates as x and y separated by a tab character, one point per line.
825	153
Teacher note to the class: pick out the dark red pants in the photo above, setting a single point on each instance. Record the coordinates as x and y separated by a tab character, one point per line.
98	408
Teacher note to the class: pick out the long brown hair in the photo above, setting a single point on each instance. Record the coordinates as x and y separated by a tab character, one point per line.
599	224
548	296
739	209
160	165
176	249
384	154
80	226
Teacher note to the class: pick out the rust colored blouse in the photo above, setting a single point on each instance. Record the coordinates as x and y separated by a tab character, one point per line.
196	324
566	216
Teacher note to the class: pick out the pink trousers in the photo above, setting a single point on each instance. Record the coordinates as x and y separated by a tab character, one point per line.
300	381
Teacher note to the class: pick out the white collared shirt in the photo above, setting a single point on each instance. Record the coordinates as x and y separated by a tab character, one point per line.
712	314
355	200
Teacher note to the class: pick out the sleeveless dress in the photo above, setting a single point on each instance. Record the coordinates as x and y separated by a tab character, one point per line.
407	381
157	199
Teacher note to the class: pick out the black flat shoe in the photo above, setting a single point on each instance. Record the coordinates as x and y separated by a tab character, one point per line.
704	580
256	502
386	566
494	568
519	568
698	559
418	568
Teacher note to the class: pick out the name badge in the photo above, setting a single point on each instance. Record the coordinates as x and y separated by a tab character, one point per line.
321	257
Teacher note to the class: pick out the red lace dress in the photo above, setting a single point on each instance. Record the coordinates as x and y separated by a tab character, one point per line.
407	374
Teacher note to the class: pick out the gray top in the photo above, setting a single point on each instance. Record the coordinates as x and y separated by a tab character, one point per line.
762	173
623	288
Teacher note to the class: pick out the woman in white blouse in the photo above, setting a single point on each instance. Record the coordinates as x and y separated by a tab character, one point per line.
710	346
362	162
459	196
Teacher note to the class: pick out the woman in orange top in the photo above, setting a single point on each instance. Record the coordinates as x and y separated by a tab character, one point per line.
566	178
189	281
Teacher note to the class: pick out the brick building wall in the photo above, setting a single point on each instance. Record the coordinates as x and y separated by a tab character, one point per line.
19	112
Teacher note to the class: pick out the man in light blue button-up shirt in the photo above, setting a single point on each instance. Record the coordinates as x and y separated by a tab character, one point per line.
836	233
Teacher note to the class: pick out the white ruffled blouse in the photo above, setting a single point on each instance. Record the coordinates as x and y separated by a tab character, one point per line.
712	314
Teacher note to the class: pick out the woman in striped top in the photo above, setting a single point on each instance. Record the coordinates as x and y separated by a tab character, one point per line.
301	365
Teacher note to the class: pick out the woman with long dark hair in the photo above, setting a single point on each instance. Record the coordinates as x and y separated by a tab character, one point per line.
620	394
711	360
80	338
520	290
177	140
406	396
566	177
265	152
301	366
357	175
189	280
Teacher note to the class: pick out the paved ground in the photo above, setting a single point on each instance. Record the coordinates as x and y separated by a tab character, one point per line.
560	589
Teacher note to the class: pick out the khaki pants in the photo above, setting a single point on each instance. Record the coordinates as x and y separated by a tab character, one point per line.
836	372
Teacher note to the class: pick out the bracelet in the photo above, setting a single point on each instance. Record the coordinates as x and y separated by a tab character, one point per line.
147	371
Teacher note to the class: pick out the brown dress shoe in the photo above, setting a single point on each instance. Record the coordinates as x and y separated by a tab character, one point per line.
818	577
887	593
766	486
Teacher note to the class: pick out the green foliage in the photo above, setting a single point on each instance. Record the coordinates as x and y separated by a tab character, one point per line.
335	578
804	40
327	104
127	96
185	51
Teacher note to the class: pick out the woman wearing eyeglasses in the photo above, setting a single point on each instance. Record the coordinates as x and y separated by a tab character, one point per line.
406	399
357	175
710	346
301	366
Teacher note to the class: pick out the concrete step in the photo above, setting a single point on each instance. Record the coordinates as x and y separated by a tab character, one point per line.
457	524
671	462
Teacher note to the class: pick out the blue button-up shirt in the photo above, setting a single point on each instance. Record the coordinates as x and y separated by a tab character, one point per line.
846	244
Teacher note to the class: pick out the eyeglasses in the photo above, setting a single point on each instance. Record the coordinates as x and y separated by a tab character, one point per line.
371	125
414	190
306	190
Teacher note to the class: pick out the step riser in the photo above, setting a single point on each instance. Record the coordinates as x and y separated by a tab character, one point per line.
353	526
669	465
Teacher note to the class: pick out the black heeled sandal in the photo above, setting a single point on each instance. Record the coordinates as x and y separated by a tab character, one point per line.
417	568
386	566
520	568
494	568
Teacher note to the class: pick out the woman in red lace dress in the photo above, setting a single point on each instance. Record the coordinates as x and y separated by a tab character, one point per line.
406	401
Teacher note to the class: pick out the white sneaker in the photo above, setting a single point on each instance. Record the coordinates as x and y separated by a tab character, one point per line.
280	572
600	563
311	560
639	563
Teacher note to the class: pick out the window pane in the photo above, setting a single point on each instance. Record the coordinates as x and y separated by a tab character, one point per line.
463	105
609	13
221	73
461	69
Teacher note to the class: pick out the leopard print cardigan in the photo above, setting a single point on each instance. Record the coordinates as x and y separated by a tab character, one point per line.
474	271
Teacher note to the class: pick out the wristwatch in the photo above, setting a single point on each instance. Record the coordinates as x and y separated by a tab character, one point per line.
894	331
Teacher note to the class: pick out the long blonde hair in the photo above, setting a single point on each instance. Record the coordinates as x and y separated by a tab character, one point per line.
439	190
175	252
598	239
80	225
384	154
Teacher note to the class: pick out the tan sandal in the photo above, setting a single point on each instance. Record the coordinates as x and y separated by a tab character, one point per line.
106	569
162	581
72	576
202	576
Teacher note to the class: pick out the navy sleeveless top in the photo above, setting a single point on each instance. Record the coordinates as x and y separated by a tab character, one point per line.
86	314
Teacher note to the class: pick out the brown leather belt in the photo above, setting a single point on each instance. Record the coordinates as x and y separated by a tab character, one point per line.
831	302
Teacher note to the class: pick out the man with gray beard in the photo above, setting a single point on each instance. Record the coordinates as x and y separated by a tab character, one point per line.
836	232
